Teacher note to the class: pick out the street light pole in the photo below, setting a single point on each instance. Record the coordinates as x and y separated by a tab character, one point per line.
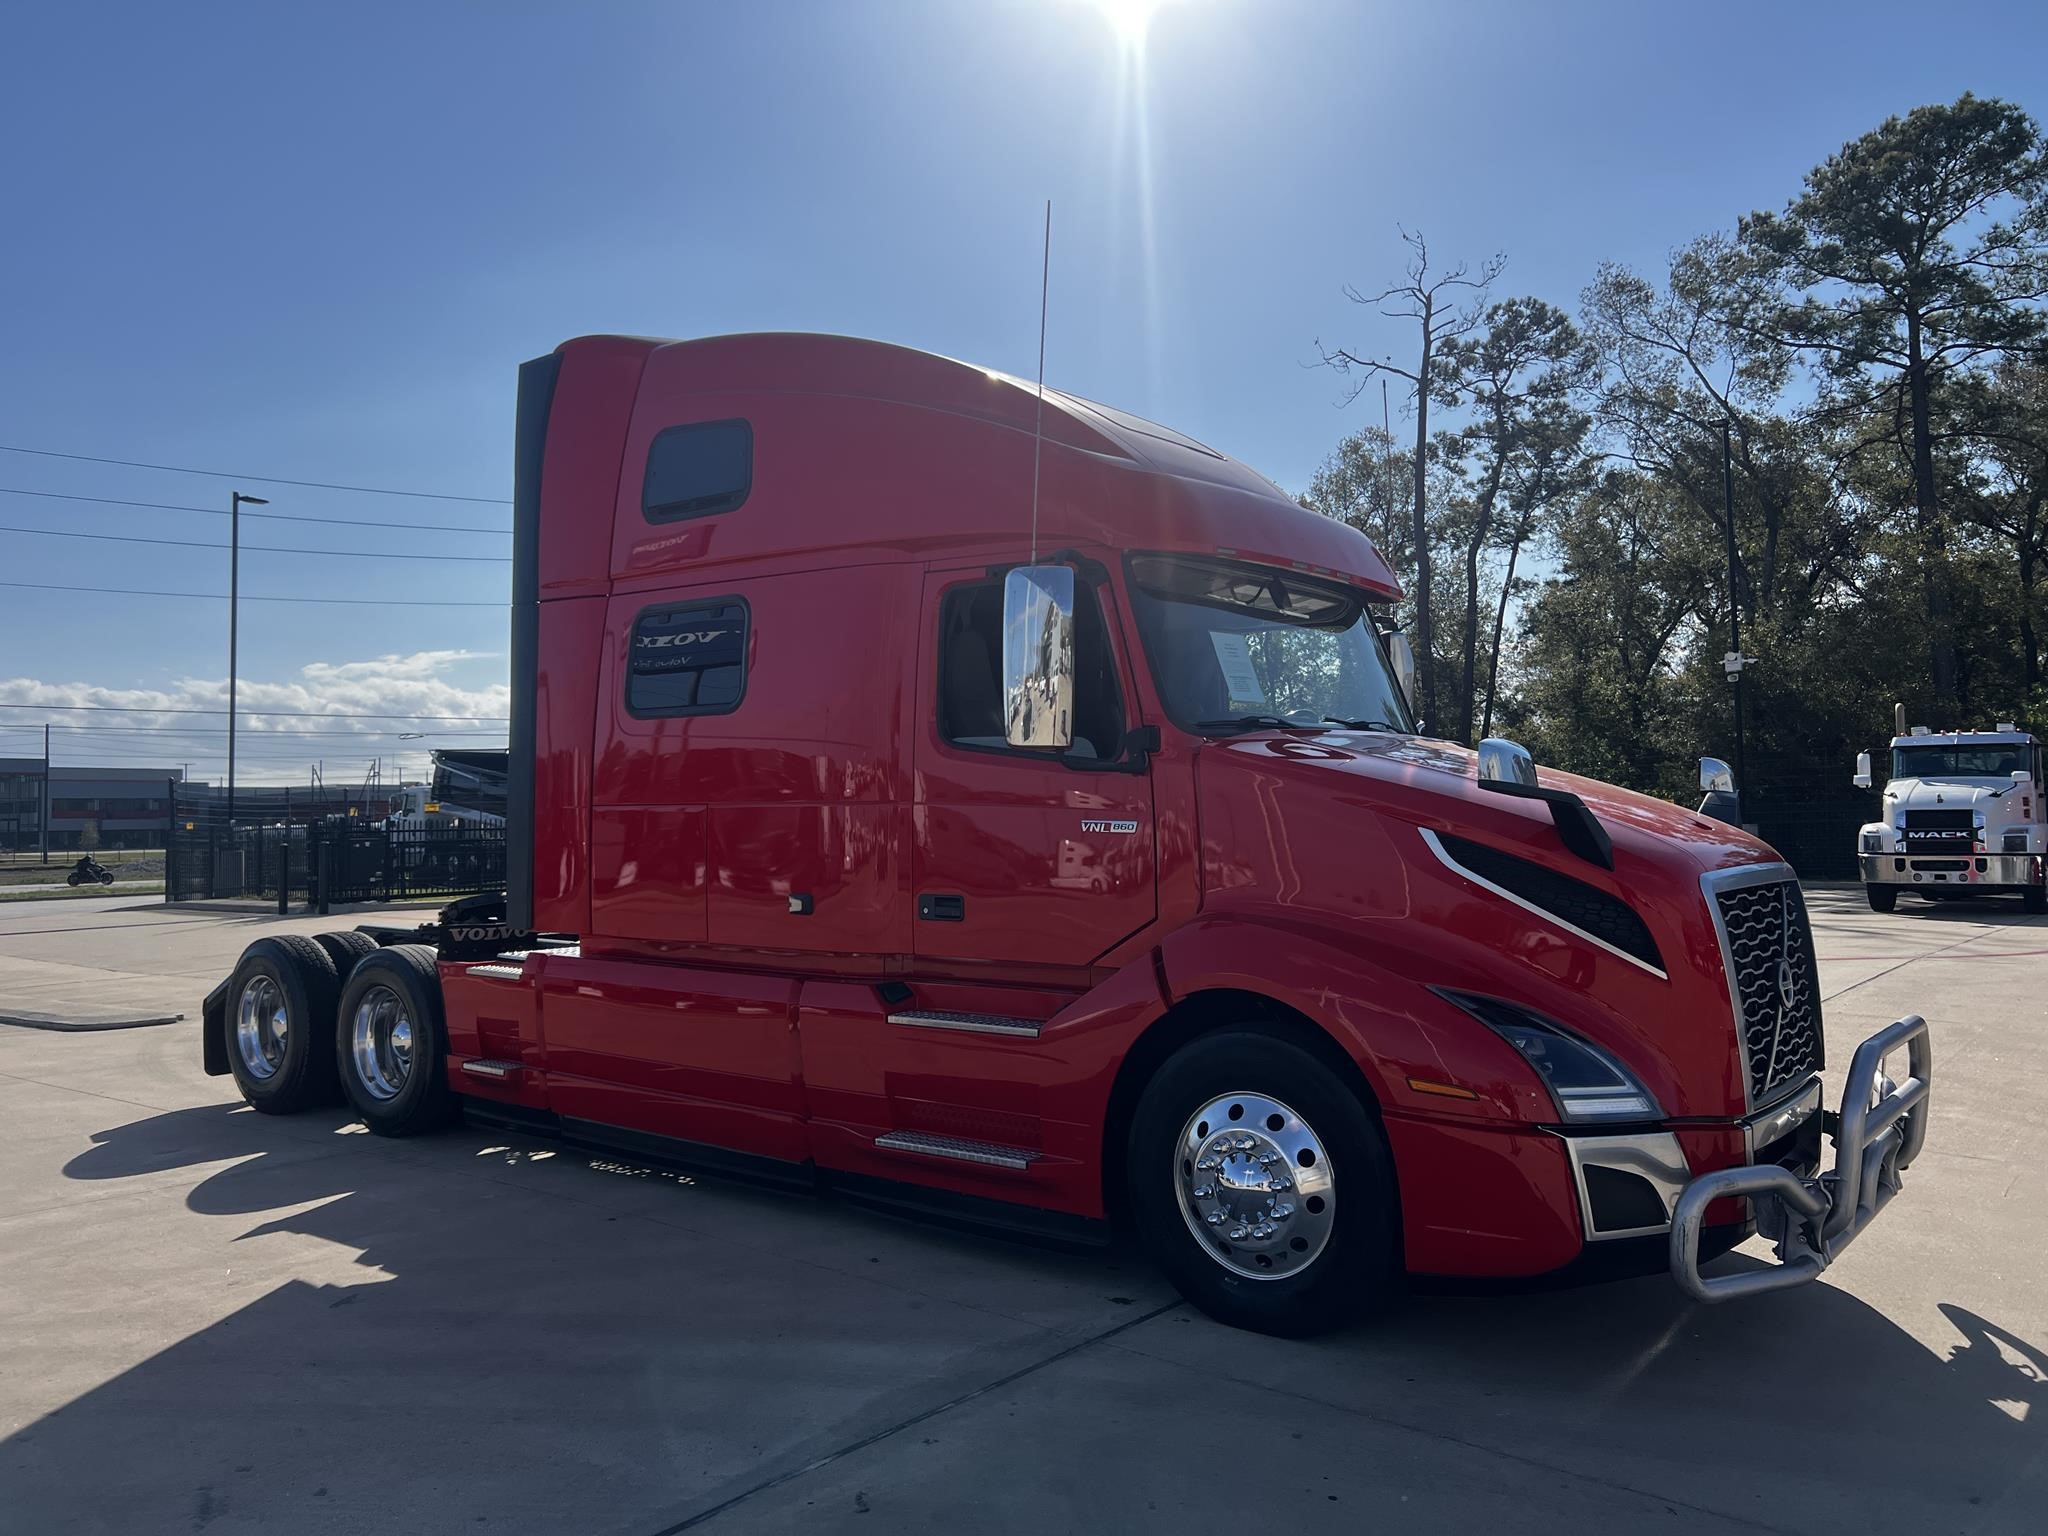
234	616
1736	657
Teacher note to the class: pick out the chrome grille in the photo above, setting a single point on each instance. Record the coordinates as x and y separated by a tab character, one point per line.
1773	981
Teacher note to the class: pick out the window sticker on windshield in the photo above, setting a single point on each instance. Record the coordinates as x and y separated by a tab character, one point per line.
1238	674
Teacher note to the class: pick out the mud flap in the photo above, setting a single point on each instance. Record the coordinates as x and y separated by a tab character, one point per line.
213	1031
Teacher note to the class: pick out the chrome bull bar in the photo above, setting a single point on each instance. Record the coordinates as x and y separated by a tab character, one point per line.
1880	1130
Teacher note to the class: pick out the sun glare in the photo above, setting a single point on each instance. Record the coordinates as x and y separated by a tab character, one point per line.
1129	19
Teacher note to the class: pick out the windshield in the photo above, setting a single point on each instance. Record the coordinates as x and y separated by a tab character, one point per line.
1236	645
1989	762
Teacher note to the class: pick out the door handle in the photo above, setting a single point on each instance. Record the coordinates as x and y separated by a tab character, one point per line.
942	908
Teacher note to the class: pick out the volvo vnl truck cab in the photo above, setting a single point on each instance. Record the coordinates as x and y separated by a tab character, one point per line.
1048	859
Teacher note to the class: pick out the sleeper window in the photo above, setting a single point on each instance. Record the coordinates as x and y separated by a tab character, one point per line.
970	673
689	660
698	470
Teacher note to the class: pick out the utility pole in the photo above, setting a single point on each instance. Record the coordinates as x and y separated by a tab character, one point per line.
44	819
1734	662
234	615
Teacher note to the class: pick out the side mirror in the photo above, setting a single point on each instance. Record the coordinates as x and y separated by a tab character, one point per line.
1505	762
2021	776
1716	777
1862	779
1038	657
1401	657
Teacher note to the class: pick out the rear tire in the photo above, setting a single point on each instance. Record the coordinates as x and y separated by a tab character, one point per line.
280	1025
1883	898
71	879
1286	1173
345	949
391	1042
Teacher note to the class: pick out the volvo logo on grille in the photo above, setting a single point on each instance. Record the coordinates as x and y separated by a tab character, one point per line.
1785	978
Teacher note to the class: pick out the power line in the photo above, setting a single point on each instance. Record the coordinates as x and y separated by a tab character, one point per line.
281	714
260	733
216	474
250	597
272	549
275	517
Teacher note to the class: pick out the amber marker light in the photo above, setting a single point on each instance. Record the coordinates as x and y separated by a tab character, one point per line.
1441	1090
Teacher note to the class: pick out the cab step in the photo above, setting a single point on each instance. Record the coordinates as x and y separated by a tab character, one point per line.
496	1071
953	1148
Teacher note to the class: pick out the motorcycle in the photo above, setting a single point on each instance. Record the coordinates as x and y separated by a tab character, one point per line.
89	870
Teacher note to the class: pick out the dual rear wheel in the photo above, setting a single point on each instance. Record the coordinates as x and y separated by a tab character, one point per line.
311	1021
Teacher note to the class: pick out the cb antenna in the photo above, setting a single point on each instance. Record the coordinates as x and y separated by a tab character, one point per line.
1038	427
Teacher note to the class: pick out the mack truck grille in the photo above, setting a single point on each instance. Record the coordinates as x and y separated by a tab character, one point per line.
1938	831
1775	983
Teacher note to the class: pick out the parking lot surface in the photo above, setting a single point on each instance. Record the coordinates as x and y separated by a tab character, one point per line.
211	1320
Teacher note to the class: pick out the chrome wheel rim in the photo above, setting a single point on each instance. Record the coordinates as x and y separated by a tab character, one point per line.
381	1041
262	1027
1255	1186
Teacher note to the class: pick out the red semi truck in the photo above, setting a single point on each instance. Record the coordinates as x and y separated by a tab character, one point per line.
1018	819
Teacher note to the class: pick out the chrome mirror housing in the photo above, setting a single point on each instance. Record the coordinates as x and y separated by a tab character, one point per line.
1038	657
1716	777
1401	657
1862	778
1505	762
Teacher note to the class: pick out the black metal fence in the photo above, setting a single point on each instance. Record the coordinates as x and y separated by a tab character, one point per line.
321	849
372	863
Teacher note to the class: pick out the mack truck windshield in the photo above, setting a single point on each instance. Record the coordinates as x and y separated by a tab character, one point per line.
1019	820
1965	814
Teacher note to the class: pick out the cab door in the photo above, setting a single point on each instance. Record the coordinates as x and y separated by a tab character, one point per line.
1024	858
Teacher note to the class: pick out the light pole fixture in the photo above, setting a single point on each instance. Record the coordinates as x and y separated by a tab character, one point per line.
235	504
1733	663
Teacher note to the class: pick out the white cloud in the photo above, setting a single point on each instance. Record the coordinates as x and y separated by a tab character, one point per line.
279	732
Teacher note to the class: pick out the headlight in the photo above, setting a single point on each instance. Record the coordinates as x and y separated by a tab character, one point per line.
1873	842
1584	1081
2016	842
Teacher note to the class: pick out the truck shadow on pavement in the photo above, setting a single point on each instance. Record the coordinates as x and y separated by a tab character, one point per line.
1991	911
519	1337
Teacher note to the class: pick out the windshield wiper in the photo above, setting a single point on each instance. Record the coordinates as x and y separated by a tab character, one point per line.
1254	722
1363	725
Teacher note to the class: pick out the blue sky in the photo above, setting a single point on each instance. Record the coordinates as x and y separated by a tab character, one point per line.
315	242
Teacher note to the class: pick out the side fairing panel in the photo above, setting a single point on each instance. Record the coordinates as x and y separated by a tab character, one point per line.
571	634
701	1056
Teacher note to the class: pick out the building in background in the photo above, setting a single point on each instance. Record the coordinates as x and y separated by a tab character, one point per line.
89	807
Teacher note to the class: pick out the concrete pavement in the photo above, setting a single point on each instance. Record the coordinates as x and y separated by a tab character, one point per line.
212	1320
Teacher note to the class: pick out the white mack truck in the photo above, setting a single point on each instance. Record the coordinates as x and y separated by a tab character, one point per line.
1965	814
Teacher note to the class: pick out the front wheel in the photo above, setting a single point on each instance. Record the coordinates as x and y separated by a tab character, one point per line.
1883	898
2034	898
71	879
1263	1186
392	1041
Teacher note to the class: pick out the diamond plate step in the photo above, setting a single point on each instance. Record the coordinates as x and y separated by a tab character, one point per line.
953	1147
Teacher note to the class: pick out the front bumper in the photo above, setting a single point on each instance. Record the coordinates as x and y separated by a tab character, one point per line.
1880	1130
1927	869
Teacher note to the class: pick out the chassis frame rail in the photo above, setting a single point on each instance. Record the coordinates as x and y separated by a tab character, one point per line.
1881	1129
